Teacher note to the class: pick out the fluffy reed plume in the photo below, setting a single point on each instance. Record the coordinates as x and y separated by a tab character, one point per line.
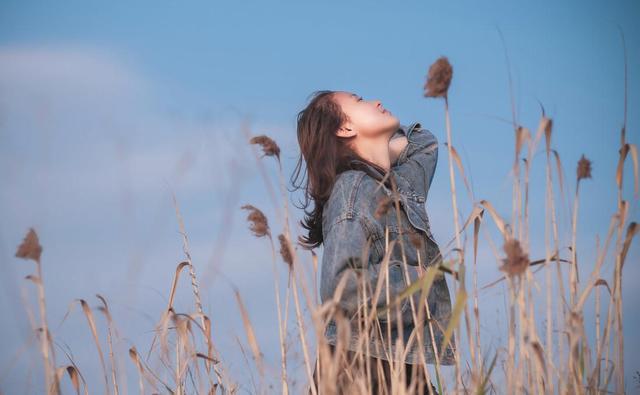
583	171
584	168
285	250
385	203
30	247
259	224
516	261
437	85
416	240
568	362
269	147
438	78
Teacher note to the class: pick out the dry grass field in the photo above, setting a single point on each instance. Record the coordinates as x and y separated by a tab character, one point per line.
554	357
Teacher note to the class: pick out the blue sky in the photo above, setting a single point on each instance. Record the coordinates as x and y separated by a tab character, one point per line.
107	109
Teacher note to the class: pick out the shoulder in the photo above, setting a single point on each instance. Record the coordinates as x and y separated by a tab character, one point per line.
417	136
352	198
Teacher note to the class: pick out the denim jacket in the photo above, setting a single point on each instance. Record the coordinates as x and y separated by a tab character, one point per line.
352	231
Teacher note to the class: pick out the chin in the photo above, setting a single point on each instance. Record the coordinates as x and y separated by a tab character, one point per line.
394	122
384	125
391	125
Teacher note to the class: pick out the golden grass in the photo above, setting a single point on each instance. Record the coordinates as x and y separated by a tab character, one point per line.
183	357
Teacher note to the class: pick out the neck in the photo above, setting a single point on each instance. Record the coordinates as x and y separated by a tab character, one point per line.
376	150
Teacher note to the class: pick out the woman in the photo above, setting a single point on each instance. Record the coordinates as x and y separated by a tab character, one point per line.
360	161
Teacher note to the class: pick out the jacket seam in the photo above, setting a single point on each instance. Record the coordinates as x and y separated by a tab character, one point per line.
411	193
340	218
370	233
353	194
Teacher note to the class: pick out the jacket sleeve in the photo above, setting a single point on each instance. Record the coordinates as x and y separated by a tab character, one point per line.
417	161
347	252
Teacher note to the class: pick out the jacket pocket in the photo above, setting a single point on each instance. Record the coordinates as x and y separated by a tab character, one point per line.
418	217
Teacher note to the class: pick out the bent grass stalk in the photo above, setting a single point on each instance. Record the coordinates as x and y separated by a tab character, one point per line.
534	364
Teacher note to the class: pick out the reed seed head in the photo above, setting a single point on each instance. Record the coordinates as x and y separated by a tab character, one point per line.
584	168
30	247
269	147
548	127
285	249
438	78
384	205
516	261
259	225
416	240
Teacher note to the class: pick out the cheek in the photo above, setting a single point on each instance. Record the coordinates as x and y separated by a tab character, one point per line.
379	123
373	121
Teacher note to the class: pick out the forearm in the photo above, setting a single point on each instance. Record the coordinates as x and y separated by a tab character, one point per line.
417	162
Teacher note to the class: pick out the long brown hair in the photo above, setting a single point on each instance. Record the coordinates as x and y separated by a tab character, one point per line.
326	156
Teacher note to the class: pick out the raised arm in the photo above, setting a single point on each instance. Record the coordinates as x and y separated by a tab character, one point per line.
418	159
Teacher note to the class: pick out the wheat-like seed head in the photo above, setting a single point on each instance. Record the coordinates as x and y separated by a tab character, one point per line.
384	204
269	147
516	261
285	249
438	78
259	224
30	247
584	168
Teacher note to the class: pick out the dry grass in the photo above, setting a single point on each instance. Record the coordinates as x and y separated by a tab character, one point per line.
183	357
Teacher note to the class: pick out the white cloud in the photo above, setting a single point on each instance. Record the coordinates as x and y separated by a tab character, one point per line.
81	127
68	74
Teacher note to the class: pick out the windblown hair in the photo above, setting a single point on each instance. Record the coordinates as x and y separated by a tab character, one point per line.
326	156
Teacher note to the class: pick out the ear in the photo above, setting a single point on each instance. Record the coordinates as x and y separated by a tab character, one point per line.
346	131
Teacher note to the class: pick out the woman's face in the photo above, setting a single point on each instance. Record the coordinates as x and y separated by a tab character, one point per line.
367	118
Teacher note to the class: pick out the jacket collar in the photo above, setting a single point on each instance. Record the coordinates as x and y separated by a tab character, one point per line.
376	172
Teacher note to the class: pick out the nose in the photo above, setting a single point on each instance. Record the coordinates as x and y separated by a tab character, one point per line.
378	103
